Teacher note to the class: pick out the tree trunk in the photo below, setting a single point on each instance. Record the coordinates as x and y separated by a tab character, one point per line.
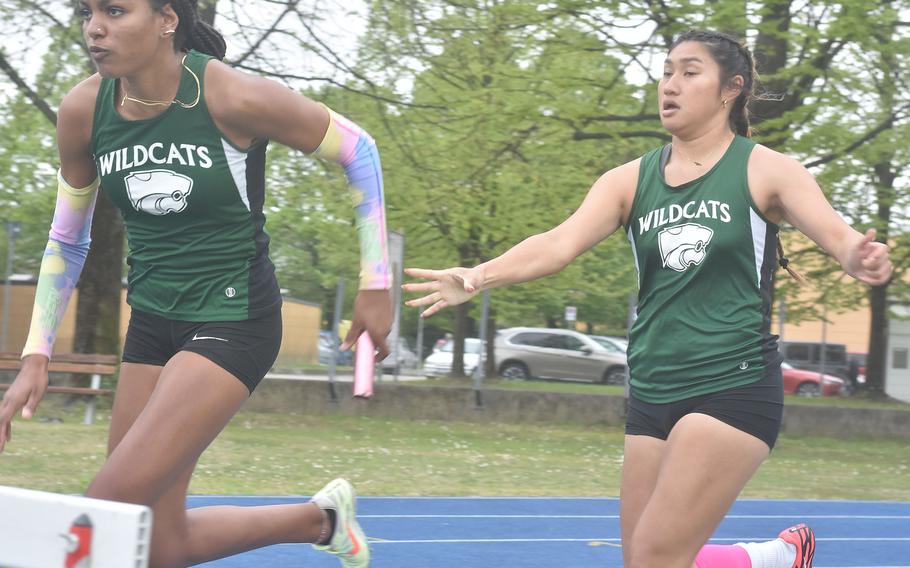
877	357
771	50
98	308
878	340
207	11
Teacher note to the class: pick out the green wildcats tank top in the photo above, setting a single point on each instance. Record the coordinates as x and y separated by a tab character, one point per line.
705	258
192	205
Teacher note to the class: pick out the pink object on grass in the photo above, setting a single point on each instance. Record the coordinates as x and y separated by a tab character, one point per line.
364	366
723	556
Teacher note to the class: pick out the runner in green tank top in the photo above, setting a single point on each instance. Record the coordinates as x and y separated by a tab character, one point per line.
177	141
702	216
694	243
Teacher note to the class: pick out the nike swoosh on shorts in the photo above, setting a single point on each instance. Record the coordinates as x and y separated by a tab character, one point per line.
198	337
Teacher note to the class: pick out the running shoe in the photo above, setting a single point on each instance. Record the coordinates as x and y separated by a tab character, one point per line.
348	542
803	538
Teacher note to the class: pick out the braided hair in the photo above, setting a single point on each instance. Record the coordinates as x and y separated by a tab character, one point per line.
734	58
191	32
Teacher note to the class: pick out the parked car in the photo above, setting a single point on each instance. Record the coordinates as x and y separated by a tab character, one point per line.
325	350
808	383
808	355
539	352
400	354
611	342
439	363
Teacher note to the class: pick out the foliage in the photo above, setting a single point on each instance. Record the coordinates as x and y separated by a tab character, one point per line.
494	116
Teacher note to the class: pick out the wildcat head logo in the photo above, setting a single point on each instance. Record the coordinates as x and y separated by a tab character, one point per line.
684	245
158	192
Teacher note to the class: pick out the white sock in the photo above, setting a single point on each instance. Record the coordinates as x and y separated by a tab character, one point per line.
770	554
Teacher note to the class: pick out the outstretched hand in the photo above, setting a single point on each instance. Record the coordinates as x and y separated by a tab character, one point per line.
869	260
24	394
373	315
445	288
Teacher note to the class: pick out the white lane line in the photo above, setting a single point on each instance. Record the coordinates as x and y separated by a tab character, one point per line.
794	516
902	504
507	540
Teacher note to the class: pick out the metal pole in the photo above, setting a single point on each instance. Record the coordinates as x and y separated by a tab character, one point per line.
336	320
823	356
631	315
781	318
420	337
396	257
399	306
480	369
12	230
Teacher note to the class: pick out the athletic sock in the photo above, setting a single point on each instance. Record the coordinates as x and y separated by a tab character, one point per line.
770	554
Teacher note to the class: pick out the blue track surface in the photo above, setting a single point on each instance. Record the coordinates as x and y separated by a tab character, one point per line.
475	532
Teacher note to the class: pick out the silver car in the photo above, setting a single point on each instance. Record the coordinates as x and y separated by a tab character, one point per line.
539	352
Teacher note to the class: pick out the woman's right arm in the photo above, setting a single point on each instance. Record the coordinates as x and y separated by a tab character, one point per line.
64	255
603	211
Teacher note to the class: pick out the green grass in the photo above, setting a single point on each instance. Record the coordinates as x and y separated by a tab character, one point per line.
292	454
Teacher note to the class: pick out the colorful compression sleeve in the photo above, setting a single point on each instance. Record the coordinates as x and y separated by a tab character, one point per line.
67	247
348	144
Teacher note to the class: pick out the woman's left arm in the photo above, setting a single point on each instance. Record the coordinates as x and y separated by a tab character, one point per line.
253	108
782	187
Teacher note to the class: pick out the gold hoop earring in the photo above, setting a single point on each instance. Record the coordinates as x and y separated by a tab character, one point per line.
168	33
725	103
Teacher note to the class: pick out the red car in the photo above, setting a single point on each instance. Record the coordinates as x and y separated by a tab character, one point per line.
806	383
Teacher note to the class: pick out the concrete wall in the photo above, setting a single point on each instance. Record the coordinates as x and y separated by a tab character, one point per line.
447	403
435	403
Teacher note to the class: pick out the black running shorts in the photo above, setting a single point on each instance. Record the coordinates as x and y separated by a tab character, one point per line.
756	409
247	349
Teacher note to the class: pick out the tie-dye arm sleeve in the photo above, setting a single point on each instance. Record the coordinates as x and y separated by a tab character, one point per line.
350	146
64	257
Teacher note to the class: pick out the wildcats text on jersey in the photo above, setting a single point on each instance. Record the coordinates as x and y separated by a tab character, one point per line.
710	209
158	154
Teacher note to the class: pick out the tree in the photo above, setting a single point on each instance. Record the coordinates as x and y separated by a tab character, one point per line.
480	155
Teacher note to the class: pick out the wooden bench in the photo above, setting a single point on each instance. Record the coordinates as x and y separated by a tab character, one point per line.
83	364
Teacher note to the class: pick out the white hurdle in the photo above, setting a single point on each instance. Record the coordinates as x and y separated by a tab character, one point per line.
49	530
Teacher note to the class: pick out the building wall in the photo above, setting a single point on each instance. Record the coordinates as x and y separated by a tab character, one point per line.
298	345
850	328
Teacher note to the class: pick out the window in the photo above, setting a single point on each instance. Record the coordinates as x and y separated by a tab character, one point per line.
836	354
559	341
535	339
899	358
798	353
609	344
553	341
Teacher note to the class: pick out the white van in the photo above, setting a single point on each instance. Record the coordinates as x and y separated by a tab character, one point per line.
439	364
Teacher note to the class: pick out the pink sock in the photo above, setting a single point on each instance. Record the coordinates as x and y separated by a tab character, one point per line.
722	556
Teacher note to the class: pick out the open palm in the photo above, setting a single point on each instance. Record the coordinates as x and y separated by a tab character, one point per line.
443	288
